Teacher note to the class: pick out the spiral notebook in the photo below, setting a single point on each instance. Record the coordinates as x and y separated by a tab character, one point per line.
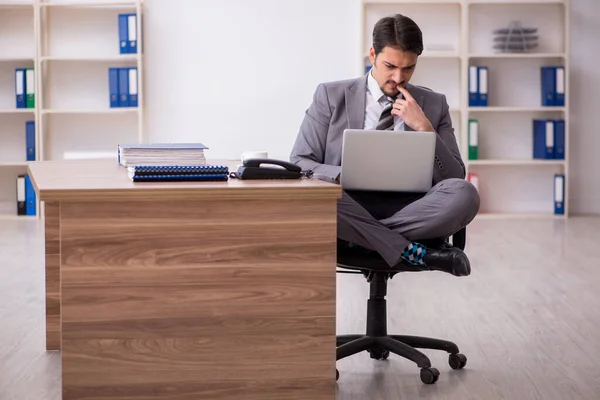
152	173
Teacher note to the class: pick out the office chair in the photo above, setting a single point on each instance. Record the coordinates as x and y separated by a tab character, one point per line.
376	340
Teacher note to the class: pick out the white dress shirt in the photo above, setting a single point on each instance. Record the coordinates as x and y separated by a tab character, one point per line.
375	102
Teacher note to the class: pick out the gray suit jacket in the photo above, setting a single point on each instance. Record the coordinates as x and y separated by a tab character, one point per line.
341	104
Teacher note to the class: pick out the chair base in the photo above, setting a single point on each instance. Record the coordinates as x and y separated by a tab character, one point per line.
379	344
380	347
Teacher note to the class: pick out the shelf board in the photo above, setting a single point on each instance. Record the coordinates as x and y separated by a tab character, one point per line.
516	109
15	216
123	57
517	55
17	110
123	110
439	54
515	162
500	215
528	2
16	59
13	163
8	5
88	4
434	2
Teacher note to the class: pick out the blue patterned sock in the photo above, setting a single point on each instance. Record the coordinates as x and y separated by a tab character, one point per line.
414	253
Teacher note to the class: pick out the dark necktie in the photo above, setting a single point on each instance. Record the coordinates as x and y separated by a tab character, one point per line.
386	120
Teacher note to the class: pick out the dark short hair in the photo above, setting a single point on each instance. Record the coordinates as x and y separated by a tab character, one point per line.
399	32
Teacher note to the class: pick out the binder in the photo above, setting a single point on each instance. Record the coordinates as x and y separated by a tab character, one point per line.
113	86
30	140
29	88
21	195
559	139
543	139
30	197
133	87
132	33
20	87
483	86
473	139
473	87
123	87
548	86
559	194
123	34
559	99
150	173
473	178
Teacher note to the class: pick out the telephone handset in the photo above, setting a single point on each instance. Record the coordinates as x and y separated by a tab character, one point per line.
253	168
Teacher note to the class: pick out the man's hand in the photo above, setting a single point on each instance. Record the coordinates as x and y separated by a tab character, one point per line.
411	113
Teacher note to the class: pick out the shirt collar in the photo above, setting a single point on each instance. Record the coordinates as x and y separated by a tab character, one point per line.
375	90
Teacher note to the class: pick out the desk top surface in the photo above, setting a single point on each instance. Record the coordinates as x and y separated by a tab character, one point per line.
84	180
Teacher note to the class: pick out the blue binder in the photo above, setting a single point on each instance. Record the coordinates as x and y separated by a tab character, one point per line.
559	139
30	140
20	92
473	86
559	95
123	87
548	86
113	86
133	87
132	33
559	194
482	86
30	198
543	139
123	30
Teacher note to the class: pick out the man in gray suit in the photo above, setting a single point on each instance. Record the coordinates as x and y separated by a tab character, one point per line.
403	227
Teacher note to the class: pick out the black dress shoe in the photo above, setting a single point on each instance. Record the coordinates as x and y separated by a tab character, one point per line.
448	259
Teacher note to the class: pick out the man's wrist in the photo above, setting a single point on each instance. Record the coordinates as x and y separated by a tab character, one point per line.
426	127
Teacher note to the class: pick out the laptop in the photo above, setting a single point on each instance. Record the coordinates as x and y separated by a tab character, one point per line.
396	161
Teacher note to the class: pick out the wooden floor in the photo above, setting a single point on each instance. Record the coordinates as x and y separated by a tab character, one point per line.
528	318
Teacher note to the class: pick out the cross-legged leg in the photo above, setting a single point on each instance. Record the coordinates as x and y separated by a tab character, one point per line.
357	225
447	208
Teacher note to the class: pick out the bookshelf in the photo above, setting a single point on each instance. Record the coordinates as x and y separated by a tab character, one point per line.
71	45
459	34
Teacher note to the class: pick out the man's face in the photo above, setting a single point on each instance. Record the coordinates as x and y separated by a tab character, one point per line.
392	68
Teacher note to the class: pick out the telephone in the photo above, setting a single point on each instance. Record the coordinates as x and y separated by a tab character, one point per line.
253	168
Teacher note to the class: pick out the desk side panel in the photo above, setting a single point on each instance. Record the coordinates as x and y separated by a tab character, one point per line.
52	248
199	300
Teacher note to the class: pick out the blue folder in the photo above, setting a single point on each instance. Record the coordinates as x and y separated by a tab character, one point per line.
30	197
123	29
20	88
113	86
123	87
559	139
559	194
543	139
30	140
548	86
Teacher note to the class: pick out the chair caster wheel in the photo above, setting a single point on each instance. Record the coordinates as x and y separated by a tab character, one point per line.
457	361
379	355
337	375
429	375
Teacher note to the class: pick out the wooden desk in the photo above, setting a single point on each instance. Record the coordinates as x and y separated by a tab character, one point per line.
181	290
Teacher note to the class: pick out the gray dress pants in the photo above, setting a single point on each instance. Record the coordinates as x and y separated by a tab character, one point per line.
386	222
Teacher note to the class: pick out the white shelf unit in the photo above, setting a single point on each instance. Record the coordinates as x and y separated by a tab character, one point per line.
71	45
458	34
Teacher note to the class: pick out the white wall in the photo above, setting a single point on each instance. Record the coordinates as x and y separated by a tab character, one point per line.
585	106
238	75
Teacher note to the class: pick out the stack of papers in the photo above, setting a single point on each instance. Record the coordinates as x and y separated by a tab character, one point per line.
161	154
